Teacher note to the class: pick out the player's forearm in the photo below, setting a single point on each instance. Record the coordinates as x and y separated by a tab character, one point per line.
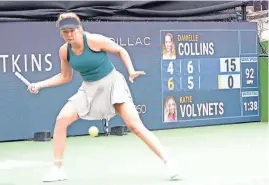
56	80
127	61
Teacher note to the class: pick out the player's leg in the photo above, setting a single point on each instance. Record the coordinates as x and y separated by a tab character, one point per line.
132	120
64	119
134	123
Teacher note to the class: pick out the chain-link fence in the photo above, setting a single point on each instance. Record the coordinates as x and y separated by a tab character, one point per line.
257	11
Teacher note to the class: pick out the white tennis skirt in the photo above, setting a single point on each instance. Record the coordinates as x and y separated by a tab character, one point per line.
95	100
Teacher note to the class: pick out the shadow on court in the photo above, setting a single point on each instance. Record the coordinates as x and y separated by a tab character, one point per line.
216	155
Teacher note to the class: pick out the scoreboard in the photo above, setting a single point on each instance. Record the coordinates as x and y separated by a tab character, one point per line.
209	74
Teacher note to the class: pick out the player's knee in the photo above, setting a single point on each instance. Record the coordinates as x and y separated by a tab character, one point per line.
62	122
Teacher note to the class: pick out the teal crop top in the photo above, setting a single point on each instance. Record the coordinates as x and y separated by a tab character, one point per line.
91	65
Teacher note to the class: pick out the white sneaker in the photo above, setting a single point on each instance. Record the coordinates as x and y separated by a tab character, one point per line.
55	174
172	172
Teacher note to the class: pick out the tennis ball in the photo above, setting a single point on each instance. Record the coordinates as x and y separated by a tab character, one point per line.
93	131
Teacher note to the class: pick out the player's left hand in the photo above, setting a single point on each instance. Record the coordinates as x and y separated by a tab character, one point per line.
135	74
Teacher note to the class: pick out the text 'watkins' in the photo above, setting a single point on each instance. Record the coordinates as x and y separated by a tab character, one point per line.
25	62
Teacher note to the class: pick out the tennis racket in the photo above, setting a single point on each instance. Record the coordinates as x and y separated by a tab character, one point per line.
24	80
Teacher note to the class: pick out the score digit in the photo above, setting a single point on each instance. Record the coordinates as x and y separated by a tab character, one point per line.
170	68
190	82
230	65
190	78
171	84
229	81
171	76
190	67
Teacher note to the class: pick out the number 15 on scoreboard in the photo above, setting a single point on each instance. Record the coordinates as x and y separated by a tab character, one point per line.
231	78
230	65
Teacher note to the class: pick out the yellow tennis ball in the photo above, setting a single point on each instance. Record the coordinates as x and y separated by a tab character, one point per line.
93	131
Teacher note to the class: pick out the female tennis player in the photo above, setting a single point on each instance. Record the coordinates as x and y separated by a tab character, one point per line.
103	93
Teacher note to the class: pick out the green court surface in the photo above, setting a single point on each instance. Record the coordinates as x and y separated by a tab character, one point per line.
215	155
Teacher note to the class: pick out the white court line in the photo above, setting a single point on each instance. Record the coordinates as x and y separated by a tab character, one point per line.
12	164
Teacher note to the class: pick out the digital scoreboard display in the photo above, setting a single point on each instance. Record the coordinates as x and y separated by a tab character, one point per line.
209	74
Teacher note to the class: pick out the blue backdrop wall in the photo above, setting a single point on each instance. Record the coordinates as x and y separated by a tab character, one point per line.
32	49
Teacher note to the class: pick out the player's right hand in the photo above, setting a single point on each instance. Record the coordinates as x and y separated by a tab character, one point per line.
34	88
